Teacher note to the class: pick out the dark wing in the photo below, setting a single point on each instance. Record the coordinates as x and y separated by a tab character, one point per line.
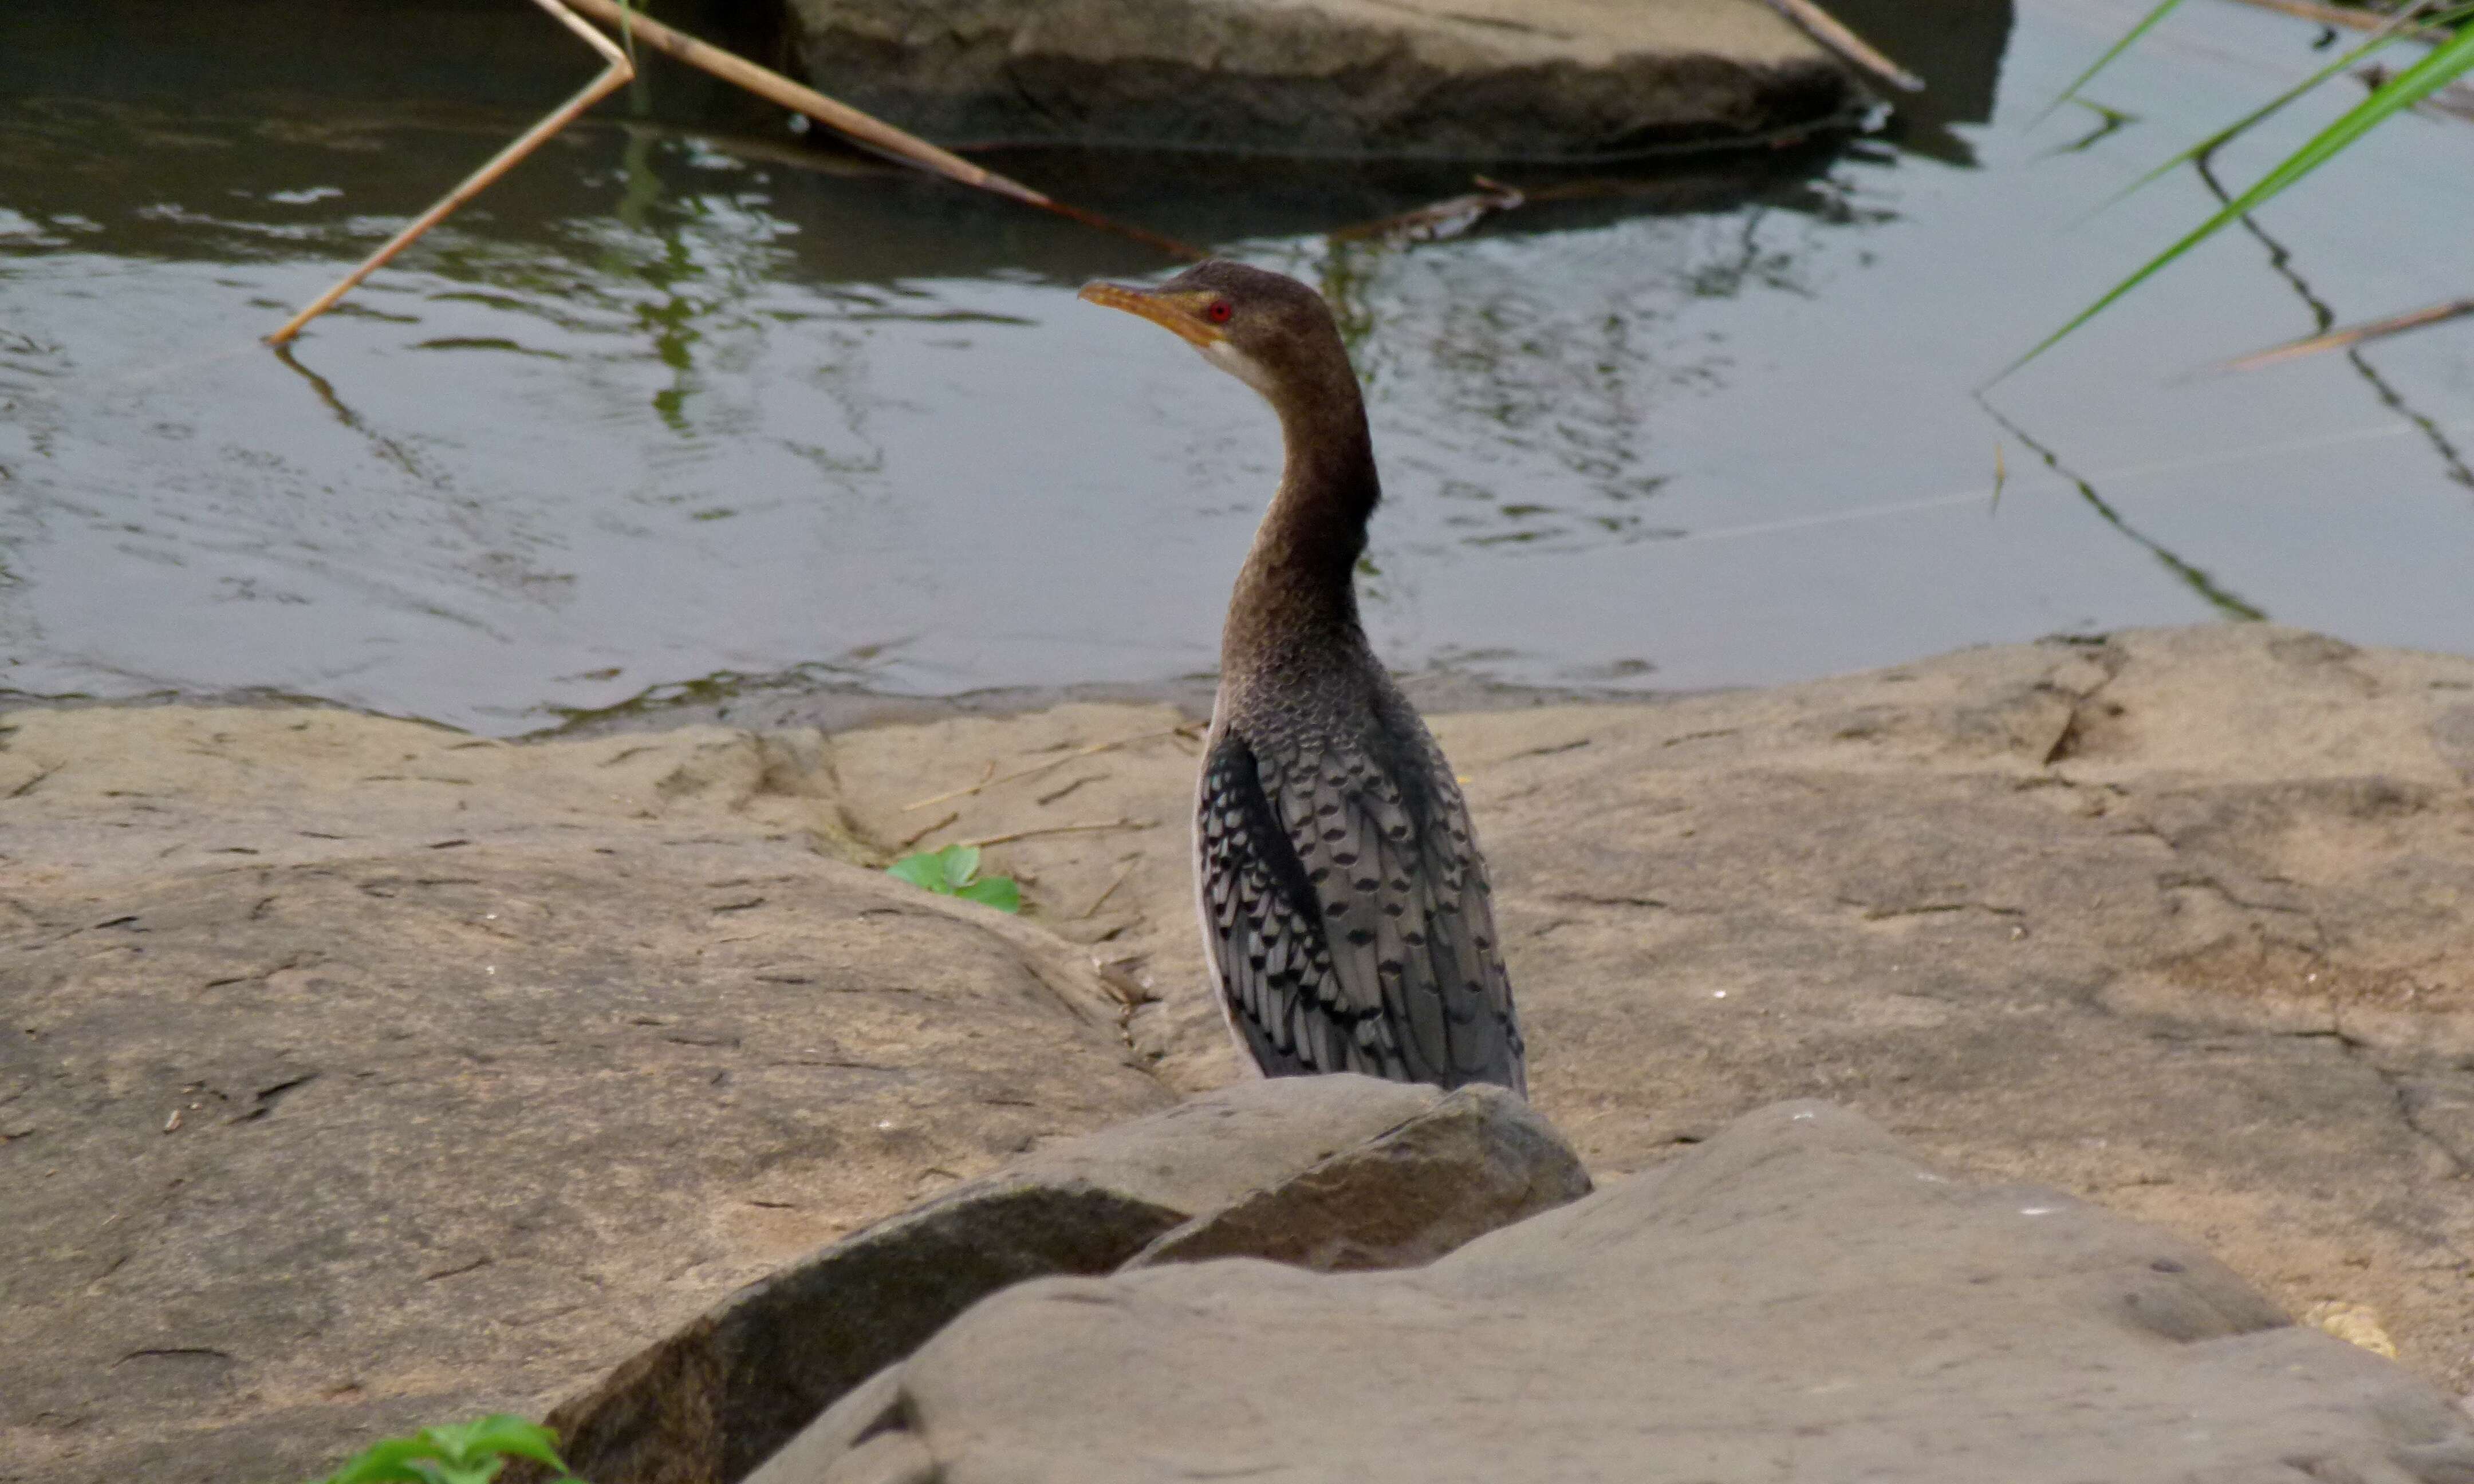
1346	912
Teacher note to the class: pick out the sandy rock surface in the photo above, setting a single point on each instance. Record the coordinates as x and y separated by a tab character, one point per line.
358	1076
507	1060
2182	921
1798	1299
1474	79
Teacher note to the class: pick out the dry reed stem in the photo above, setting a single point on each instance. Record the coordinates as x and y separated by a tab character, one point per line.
613	77
1060	829
1833	32
1036	769
2352	335
917	836
1101	901
1443	219
1054	794
874	133
2332	15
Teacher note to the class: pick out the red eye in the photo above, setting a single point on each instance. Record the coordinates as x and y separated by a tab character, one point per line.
1219	312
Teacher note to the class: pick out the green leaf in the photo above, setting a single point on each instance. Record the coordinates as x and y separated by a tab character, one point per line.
2105	60
925	871
2403	92
388	1461
455	1453
502	1433
997	892
946	871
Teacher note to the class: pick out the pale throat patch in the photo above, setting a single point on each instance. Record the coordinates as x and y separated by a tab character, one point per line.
1238	364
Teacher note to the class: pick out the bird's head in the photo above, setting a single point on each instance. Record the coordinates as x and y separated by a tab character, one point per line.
1270	331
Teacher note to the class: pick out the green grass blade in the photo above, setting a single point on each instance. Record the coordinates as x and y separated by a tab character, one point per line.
2393	31
627	29
2106	60
2444	65
2403	92
2201	235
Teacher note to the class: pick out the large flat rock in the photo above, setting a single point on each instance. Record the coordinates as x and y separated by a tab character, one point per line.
1472	79
1799	1300
2181	920
358	1076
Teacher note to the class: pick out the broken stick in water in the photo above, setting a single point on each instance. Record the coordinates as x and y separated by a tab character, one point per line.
2335	16
1833	32
864	128
2352	335
1443	220
612	77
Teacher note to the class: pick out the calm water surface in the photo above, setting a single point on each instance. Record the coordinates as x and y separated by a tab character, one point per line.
673	402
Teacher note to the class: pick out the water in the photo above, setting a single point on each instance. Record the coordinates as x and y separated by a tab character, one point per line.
670	411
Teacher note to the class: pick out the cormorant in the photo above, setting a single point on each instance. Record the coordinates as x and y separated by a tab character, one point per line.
1344	901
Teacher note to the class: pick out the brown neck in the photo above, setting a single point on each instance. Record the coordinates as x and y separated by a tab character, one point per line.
1297	594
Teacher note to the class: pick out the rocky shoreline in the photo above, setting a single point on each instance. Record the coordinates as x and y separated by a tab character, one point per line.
362	1074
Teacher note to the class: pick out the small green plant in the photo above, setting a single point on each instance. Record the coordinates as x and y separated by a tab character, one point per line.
464	1453
955	871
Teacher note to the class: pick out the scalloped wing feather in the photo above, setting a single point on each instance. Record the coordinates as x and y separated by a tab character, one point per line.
1347	916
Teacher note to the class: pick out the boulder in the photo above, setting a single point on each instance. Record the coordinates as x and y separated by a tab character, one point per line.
1798	1299
1477	1160
1219	1148
1368	1173
1466	79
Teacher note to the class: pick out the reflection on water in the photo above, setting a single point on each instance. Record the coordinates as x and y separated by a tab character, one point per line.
682	408
2227	605
2108	122
1956	46
2324	318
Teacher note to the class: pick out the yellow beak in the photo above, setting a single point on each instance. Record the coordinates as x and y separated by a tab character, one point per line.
1183	313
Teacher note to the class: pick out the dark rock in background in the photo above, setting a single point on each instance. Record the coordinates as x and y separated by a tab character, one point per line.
1469	78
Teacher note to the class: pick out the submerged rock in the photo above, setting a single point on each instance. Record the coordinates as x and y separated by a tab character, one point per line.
1466	78
1798	1299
